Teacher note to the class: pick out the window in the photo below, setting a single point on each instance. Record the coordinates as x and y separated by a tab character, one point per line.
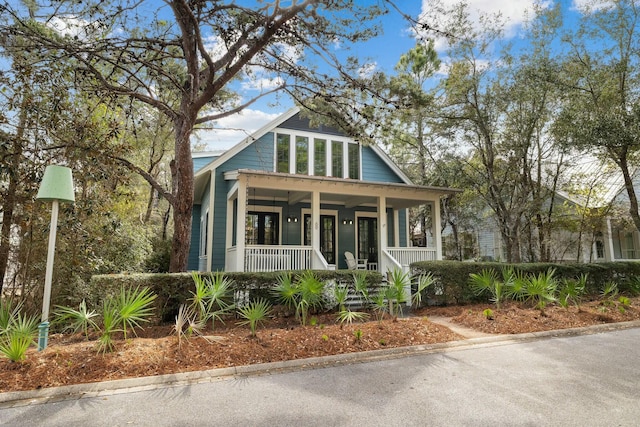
302	155
354	161
282	148
336	159
262	228
305	155
320	157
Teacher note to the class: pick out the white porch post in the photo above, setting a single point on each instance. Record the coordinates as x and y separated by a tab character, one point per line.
437	235
315	227
212	199
609	254
396	228
382	234
240	227
229	237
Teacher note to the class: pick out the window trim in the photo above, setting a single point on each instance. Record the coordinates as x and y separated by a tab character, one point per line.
311	137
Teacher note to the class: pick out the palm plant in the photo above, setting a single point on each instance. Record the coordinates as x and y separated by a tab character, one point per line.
255	314
395	292
541	289
572	291
80	319
310	291
341	292
134	306
379	304
422	283
348	316
360	285
487	282
110	322
8	312
286	291
211	297
17	336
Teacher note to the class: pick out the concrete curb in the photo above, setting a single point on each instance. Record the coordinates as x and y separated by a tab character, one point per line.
129	385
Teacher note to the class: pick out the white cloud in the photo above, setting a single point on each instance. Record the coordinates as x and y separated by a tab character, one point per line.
514	13
227	132
262	84
367	70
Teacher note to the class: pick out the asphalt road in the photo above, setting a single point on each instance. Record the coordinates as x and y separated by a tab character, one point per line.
589	380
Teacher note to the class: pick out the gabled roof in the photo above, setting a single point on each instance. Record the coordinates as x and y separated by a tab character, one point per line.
248	141
200	180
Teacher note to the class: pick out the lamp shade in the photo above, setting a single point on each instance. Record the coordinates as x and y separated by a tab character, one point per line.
57	184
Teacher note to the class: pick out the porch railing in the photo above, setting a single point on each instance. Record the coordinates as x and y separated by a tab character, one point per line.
407	256
275	258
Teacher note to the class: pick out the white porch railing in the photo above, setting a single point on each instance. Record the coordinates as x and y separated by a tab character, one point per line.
407	256
275	258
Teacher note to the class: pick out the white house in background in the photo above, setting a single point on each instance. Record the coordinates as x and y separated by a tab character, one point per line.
292	196
590	184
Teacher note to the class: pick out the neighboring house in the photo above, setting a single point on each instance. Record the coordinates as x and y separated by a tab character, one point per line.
608	236
303	197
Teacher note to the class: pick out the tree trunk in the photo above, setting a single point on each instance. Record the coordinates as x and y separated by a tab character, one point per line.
182	181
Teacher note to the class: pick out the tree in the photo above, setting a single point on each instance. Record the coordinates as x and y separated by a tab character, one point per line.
160	56
601	113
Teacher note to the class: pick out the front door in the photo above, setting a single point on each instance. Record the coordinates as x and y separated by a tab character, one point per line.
368	239
327	236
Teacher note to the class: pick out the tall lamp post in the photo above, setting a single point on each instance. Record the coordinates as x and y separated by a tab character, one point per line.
56	186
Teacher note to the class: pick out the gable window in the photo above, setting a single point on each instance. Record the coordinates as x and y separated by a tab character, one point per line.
320	157
336	159
262	228
302	155
282	149
354	161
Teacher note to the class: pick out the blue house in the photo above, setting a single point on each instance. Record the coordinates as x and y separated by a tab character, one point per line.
293	197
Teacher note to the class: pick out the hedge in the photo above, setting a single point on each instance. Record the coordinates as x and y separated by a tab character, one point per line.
174	289
452	285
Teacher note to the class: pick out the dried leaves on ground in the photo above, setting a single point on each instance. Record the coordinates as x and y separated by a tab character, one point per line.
73	360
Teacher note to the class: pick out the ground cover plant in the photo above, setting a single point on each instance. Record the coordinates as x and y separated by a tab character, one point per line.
256	332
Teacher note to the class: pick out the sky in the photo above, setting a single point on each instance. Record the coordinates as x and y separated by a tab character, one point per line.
384	52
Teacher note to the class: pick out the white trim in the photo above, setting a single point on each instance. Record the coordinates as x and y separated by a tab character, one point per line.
396	227
327	212
211	210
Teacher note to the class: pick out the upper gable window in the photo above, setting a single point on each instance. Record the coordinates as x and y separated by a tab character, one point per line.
354	161
305	155
283	142
302	155
320	157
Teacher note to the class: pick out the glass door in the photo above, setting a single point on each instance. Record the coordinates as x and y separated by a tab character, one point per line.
327	236
368	239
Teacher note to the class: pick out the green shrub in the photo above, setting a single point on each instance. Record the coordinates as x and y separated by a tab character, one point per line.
254	314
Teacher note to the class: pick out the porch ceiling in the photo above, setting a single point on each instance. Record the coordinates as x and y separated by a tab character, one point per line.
350	193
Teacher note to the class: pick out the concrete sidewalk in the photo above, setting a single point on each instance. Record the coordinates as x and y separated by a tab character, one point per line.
80	391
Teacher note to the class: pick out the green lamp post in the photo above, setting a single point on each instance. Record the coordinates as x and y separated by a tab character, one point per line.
56	186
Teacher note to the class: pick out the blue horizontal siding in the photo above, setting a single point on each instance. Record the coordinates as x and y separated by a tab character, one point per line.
375	169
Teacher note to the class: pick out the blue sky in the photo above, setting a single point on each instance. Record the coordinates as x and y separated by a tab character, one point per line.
383	52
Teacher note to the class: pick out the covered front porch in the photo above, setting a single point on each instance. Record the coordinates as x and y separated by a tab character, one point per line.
293	222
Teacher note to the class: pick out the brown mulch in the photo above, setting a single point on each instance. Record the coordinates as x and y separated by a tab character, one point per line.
73	360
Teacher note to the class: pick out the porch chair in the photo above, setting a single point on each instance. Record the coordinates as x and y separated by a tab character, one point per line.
355	263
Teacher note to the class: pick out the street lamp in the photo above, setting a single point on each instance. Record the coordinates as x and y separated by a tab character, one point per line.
56	186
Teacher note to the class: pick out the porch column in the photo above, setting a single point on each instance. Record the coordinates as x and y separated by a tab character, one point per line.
315	228
396	228
228	266
212	198
382	234
437	235
240	224
609	254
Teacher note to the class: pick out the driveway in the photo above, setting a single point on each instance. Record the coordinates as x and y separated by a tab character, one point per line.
586	380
